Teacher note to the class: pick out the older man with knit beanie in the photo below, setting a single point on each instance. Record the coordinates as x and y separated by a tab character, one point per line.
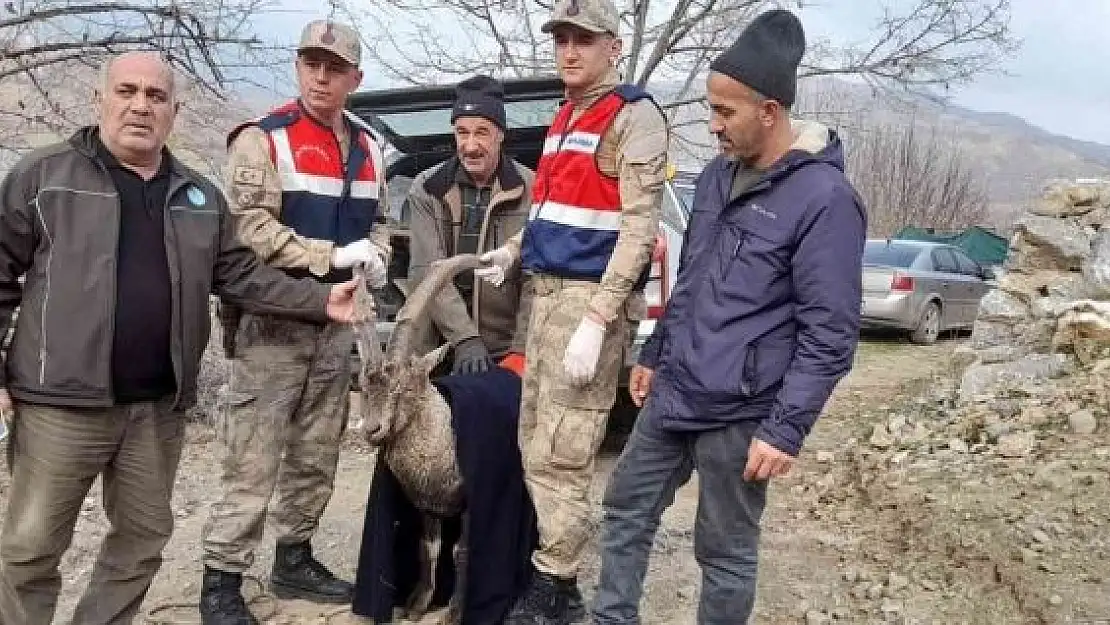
470	204
762	324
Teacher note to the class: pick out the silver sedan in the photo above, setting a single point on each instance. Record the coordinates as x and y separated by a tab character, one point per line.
925	288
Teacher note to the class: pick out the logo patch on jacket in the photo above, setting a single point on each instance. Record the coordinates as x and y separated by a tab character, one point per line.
756	208
196	196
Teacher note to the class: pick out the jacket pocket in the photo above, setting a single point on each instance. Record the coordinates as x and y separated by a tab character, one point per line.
26	357
767	364
718	367
753	260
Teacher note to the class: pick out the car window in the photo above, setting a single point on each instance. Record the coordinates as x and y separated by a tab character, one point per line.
685	195
523	114
672	213
890	254
965	264
943	260
398	191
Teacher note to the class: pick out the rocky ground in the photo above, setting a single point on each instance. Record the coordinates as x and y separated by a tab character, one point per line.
906	507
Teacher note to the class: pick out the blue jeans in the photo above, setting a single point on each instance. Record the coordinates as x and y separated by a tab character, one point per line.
653	465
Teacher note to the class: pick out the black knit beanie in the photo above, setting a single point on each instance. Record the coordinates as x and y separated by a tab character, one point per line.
765	56
480	96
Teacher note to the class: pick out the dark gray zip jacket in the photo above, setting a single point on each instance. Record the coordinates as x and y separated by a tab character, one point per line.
59	226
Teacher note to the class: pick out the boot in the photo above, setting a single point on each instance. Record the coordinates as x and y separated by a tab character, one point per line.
299	575
546	602
221	602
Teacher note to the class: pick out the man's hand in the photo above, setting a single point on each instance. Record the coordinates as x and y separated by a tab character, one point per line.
471	356
365	252
341	301
639	384
500	260
765	462
7	413
580	359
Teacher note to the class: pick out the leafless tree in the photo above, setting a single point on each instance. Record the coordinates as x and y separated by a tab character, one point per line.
50	51
914	174
920	43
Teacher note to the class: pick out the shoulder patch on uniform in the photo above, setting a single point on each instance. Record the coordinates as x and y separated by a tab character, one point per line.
251	176
279	119
246	198
631	93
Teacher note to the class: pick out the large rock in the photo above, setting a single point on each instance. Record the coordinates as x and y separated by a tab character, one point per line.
985	380
998	305
1084	326
1028	287
1095	219
1068	199
1035	335
1045	243
1096	269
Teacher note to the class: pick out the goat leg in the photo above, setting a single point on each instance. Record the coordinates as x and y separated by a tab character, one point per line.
461	557
430	545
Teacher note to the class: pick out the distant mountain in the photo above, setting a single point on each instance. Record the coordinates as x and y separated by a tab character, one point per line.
1096	152
1016	158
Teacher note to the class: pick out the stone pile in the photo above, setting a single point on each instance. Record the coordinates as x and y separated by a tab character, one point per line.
1051	311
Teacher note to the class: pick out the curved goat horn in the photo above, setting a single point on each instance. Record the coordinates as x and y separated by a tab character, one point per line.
364	325
439	274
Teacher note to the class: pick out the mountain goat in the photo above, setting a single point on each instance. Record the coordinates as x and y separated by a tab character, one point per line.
406	417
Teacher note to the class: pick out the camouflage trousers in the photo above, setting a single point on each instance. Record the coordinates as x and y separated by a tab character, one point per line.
286	412
562	425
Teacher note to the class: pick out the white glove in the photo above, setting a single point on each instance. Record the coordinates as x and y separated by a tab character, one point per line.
365	252
580	360
500	260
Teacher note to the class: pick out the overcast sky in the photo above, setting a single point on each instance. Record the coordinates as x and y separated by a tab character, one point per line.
1059	79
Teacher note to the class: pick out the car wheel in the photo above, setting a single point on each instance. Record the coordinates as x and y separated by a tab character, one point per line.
928	329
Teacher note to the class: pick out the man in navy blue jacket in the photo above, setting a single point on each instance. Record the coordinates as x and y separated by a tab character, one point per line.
762	324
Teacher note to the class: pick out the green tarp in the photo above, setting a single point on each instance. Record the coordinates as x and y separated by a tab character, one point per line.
979	243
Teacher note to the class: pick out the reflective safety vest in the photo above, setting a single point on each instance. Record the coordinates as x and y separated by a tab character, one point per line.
320	197
576	208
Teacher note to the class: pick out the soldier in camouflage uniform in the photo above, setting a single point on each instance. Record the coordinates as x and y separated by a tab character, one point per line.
587	246
305	184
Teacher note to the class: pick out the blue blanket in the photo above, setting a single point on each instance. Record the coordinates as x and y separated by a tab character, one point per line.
485	412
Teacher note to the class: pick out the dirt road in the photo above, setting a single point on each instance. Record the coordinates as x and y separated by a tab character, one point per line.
831	551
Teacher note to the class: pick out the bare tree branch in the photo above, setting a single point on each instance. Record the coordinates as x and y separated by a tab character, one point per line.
913	44
914	174
50	51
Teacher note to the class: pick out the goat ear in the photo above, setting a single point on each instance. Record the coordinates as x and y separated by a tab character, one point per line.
432	359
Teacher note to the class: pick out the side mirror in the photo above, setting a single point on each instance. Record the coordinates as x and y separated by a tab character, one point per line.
987	273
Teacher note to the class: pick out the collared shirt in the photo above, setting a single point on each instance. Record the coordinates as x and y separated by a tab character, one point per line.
475	205
142	368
